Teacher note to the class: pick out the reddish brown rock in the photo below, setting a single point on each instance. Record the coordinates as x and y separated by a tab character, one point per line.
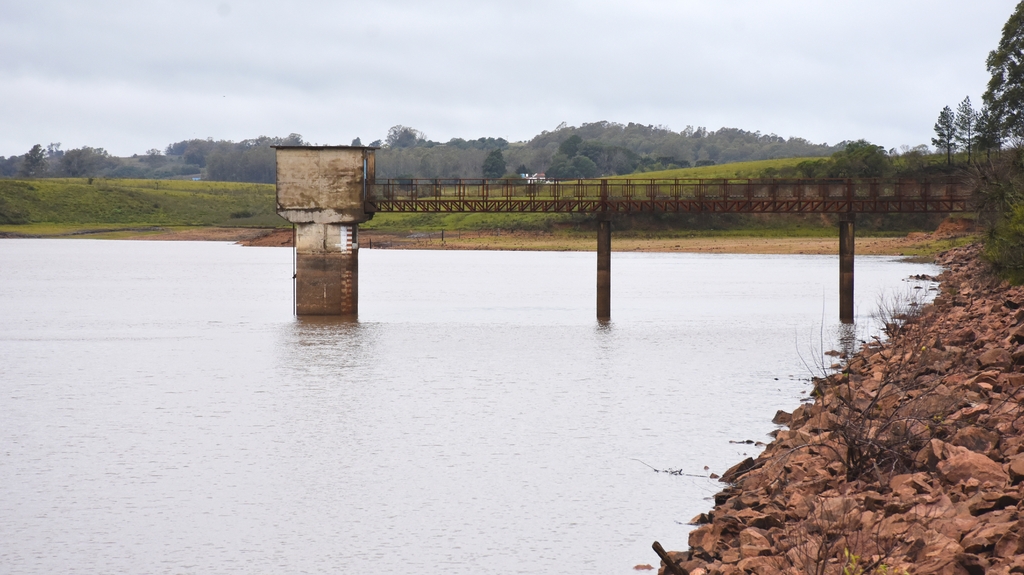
997	358
753	543
915	452
1016	469
962	464
976	439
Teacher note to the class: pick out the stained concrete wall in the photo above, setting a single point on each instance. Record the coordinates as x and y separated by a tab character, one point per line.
323	184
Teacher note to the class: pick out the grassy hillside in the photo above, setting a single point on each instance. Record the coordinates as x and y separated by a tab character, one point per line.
736	170
136	202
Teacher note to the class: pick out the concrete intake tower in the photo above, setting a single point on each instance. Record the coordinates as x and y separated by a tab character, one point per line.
322	191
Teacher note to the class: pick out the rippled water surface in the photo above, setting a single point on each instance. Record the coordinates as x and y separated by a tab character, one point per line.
162	411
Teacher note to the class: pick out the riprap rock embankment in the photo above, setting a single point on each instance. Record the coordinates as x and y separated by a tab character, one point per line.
910	458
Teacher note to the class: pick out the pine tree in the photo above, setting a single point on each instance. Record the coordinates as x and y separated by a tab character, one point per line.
987	130
965	126
945	133
1005	93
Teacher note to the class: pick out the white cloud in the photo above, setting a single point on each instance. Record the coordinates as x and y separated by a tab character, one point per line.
132	76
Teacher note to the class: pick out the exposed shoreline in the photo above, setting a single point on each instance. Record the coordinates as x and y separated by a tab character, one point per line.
914	244
909	460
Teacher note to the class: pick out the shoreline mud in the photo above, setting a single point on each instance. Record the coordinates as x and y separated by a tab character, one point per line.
914	244
909	460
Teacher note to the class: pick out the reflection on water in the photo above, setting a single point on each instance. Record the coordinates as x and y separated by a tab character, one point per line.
163	411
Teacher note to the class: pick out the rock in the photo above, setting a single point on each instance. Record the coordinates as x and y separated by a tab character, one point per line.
973	564
758	565
938	552
766	520
984	538
734	472
1010	544
996	358
873	500
782	418
754	537
702	519
964	336
930	454
1016	469
987	501
705	538
731	556
976	439
962	464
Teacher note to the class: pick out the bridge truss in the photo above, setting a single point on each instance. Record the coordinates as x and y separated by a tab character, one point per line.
624	196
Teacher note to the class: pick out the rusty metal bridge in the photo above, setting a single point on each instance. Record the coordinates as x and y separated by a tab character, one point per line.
613	196
625	196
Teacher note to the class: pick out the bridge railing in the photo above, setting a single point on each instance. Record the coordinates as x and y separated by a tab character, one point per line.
639	190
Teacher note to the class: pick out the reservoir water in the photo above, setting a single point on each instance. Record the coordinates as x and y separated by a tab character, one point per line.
162	411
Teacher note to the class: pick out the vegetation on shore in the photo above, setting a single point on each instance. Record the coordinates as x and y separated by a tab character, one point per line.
998	177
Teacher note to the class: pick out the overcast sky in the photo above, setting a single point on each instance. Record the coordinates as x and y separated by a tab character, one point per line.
130	76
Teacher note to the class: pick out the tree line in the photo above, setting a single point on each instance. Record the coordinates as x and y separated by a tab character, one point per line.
590	150
967	130
251	160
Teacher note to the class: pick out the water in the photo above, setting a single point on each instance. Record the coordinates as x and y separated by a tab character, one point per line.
161	411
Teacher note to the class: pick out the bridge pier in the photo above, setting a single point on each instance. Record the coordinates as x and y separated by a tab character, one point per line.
604	270
846	241
326	269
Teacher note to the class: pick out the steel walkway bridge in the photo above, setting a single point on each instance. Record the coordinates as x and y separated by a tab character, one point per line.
629	196
612	196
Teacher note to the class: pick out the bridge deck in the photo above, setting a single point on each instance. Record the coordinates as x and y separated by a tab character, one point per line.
659	195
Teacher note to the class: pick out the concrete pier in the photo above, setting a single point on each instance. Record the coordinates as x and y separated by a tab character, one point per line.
326	269
322	190
846	235
604	271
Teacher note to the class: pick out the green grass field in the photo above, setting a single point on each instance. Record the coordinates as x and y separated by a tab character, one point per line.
736	170
67	205
85	202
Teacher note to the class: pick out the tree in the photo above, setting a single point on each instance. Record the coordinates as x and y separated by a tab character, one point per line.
403	137
494	164
570	146
945	133
1005	93
84	161
357	142
860	159
571	168
987	128
34	164
966	126
154	157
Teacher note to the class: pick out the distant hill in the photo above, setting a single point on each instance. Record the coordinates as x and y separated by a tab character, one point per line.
591	150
